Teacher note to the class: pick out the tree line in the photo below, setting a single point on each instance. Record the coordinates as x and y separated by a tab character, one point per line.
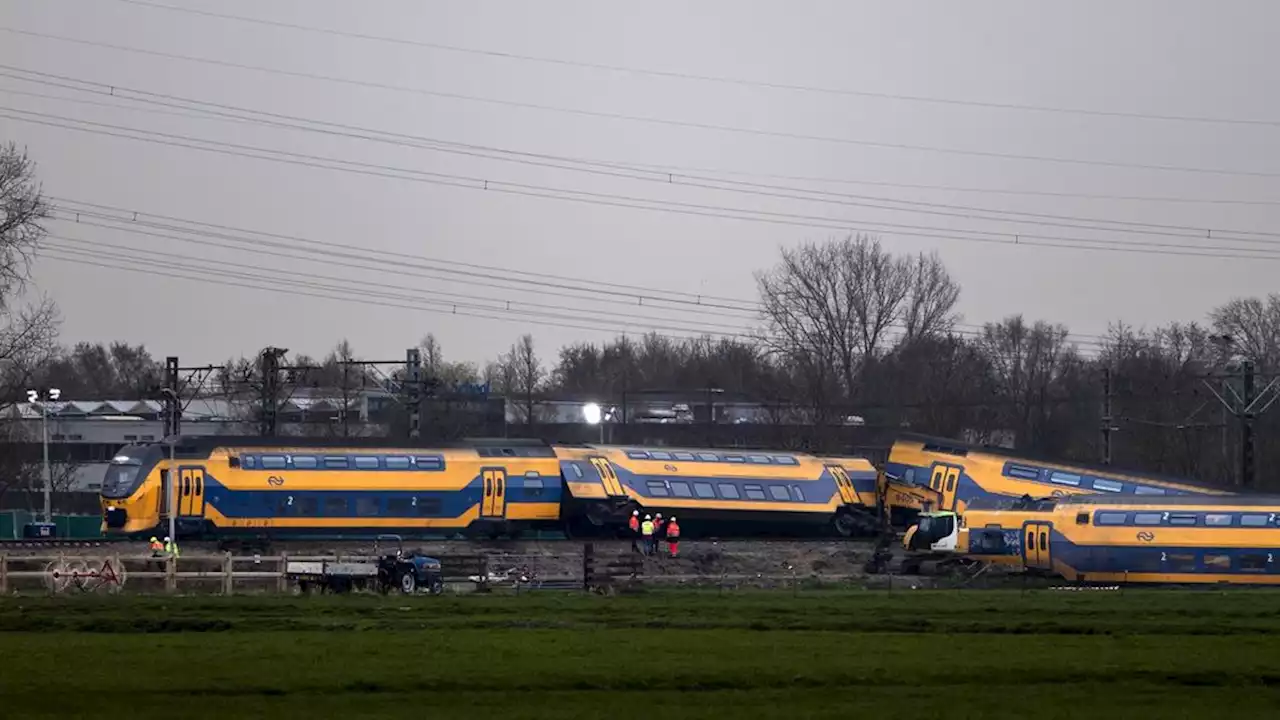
844	328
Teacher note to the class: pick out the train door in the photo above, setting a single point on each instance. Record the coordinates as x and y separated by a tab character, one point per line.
495	493
191	492
944	479
612	485
1036	546
848	495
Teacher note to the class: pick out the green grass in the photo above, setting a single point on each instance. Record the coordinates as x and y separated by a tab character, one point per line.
689	654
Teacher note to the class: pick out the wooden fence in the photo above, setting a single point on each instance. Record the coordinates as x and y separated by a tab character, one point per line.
227	574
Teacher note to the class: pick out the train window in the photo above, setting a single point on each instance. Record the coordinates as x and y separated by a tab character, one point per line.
785	460
1082	518
366	506
273	462
249	461
1115	518
1217	519
1064	478
1147	518
396	462
799	493
657	488
779	492
1140	490
734	458
637	455
680	489
284	505
1254	520
761	459
533	486
1107	485
951	482
308	506
709	457
1253	562
429	462
754	492
366	462
704	490
660	455
305	462
577	471
1219	563
335	506
399	507
1182	519
1022	471
728	492
336	462
429	506
1181	562
686	456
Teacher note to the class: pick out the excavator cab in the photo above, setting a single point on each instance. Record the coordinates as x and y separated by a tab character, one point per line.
935	531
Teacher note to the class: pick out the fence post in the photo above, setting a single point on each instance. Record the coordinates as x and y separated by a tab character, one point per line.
4	574
227	577
171	574
588	565
120	573
282	585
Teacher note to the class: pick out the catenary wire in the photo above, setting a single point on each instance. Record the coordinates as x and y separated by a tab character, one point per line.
646	119
615	200
622	170
700	77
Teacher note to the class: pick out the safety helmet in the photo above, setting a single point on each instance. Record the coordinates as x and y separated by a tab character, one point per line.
659	514
648	517
672	518
153	538
166	538
635	512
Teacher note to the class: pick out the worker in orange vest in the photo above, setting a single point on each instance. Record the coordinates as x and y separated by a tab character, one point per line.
673	536
634	525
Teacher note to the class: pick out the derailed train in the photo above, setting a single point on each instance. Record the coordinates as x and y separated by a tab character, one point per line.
286	488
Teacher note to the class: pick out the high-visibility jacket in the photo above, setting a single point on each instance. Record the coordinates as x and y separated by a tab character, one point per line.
172	548
673	530
634	523
156	545
657	526
646	528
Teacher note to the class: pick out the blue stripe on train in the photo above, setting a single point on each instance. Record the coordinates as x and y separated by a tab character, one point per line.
274	502
1161	559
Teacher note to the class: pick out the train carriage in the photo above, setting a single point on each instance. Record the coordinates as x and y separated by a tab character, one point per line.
228	486
954	474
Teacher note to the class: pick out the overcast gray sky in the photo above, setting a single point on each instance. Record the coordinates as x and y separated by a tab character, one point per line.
1154	58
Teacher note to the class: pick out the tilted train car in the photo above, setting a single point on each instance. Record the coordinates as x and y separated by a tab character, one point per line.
230	486
956	474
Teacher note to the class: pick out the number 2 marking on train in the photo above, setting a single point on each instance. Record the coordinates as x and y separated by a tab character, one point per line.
1164	557
290	500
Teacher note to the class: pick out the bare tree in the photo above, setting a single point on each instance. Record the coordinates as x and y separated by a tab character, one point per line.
1254	325
28	335
1027	361
929	309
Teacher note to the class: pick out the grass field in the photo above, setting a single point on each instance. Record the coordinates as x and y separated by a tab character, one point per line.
832	654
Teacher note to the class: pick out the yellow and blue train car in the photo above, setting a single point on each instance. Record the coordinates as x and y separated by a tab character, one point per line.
720	491
1166	540
279	487
296	487
955	474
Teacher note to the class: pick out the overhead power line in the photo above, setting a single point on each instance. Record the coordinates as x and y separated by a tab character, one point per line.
641	203
280	281
654	120
128	220
620	170
705	78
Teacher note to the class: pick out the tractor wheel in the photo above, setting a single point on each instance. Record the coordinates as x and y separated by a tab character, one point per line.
844	525
408	582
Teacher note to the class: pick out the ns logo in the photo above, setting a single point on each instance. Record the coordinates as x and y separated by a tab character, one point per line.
1146	536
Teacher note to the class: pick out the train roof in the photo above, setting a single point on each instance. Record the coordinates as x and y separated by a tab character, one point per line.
202	445
961	446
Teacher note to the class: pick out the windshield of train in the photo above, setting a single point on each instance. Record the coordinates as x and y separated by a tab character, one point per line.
122	477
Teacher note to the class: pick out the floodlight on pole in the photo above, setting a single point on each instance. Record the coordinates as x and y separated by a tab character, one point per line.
51	395
592	413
